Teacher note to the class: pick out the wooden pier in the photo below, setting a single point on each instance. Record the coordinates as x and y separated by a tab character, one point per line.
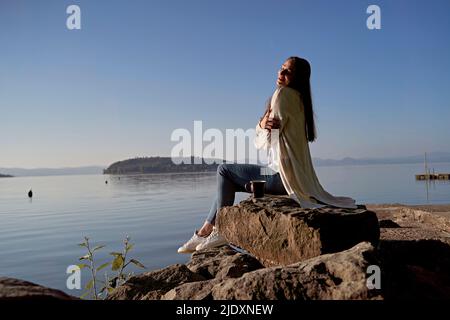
433	176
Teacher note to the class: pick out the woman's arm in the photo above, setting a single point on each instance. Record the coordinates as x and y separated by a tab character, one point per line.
269	123
285	105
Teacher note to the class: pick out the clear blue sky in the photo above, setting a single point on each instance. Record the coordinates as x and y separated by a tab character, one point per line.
137	70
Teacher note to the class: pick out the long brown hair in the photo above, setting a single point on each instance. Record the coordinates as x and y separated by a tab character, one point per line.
301	83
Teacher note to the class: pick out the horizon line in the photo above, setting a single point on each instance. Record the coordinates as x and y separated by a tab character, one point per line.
163	156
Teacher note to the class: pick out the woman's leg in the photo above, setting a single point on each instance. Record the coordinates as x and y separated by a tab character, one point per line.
231	178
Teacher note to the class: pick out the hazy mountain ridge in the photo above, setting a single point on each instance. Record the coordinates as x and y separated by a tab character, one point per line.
20	172
431	157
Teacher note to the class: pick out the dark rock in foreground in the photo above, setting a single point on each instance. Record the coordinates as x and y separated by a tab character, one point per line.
152	285
221	263
14	289
339	276
278	231
226	274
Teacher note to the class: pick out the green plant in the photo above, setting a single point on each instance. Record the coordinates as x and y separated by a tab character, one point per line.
91	286
120	262
118	265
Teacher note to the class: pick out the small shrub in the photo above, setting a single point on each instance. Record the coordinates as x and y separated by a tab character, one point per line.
118	265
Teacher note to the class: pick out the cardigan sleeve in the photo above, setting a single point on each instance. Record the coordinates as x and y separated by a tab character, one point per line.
283	106
261	138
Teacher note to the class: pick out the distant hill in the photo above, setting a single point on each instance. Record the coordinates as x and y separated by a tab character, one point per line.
5	176
165	164
431	157
19	172
160	165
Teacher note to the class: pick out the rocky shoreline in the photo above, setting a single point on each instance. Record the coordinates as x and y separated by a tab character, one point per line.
293	253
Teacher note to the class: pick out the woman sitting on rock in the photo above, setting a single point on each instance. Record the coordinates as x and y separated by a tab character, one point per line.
284	130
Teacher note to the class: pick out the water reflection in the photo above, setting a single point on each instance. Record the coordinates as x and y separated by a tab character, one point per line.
142	181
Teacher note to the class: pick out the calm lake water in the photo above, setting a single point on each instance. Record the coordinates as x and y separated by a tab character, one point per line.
38	237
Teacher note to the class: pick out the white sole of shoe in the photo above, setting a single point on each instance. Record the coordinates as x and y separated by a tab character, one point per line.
211	247
185	250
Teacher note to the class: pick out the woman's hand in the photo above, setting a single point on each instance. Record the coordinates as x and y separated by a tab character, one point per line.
269	123
272	123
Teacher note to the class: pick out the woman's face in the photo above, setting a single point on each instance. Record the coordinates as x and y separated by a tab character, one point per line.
286	73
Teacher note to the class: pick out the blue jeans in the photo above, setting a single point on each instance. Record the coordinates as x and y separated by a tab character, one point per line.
231	178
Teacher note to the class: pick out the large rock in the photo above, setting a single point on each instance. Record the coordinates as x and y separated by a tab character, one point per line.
15	289
277	231
216	265
201	290
222	263
331	276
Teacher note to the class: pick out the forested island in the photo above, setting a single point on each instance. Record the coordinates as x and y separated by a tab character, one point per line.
5	176
161	165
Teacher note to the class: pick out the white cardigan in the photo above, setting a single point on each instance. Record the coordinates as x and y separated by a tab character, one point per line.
289	153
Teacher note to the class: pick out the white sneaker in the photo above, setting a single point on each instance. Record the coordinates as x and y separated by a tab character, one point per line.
191	244
212	241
